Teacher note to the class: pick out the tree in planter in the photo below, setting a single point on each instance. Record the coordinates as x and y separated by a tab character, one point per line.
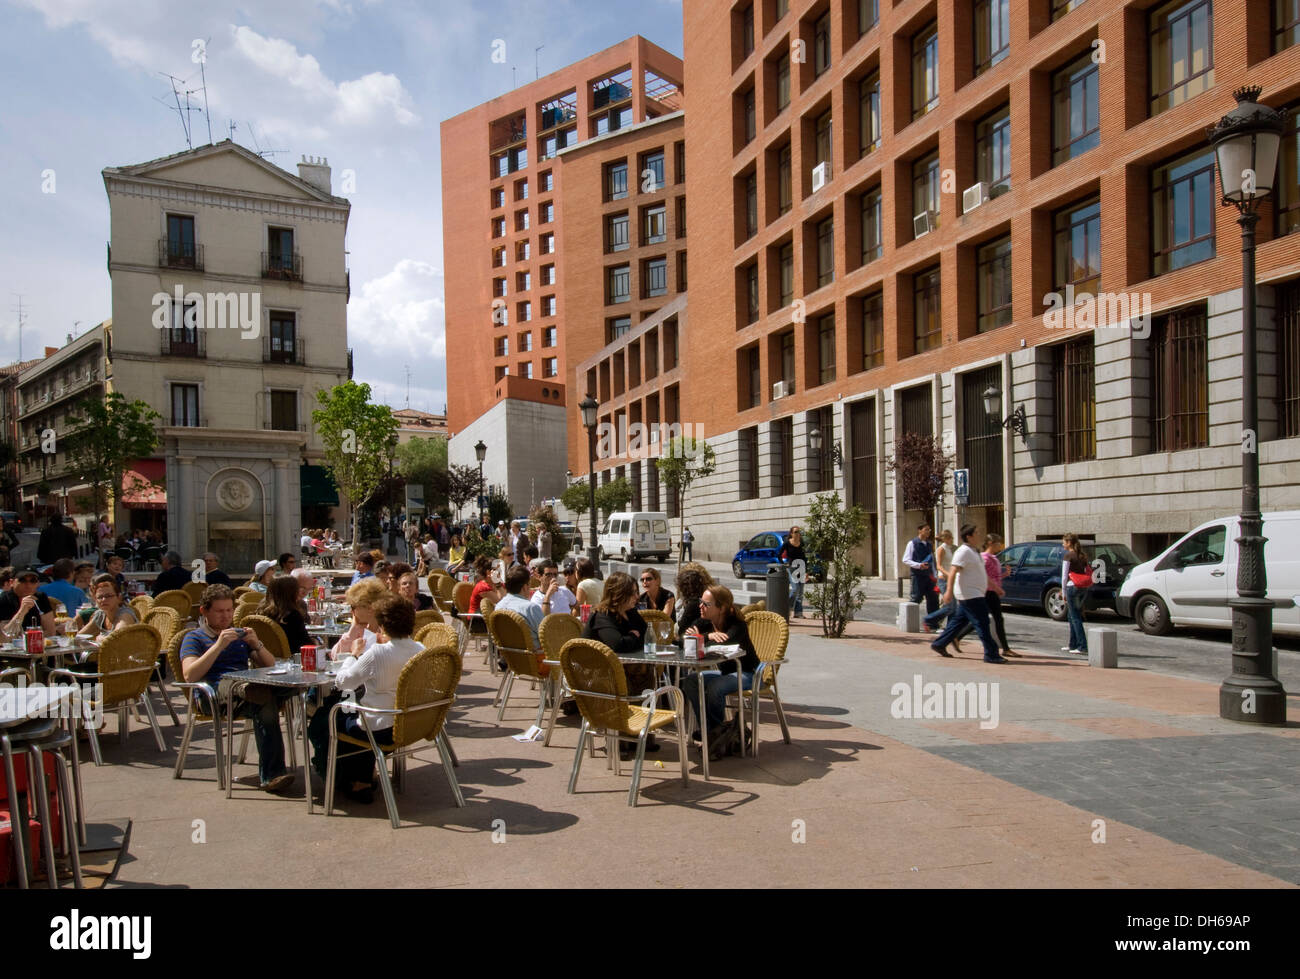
613	496
107	436
684	461
360	442
476	544
577	499
462	485
833	532
545	516
920	467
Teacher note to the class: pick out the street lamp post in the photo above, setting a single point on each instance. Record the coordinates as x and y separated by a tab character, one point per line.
480	451
589	407
1246	142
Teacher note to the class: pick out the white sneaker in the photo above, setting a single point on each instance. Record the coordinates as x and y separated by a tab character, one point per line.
1067	649
1079	652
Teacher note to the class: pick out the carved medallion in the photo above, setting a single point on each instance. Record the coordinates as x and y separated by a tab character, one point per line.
234	494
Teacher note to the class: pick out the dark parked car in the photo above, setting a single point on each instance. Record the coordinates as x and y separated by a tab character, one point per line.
763	549
1031	575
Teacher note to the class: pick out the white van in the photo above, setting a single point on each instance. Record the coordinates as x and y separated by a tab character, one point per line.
628	536
1191	582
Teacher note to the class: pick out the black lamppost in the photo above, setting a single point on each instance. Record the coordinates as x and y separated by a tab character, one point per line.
1246	142
480	450
589	407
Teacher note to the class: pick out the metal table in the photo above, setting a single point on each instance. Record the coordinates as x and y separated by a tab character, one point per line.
297	680
77	648
705	661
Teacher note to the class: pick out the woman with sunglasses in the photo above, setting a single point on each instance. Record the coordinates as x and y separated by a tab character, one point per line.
653	594
721	624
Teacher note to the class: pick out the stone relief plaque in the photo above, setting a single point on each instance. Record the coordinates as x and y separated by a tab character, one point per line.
234	494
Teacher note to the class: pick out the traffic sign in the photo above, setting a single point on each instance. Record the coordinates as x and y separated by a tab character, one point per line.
961	486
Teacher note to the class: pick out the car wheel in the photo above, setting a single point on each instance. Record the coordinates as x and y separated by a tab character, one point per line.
1152	616
661	558
1054	603
737	569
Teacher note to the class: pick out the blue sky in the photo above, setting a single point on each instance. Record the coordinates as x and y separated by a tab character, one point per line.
364	83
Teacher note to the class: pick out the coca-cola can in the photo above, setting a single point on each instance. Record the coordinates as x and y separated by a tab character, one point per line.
35	641
311	605
586	613
308	654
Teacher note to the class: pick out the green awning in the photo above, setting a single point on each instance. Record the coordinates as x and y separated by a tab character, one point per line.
317	487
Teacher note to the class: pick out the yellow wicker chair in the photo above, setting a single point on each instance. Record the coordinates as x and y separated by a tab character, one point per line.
195	590
460	594
514	643
251	597
556	629
770	634
437	634
652	616
271	634
486	605
141	604
426	690
596	679
201	705
177	599
428	617
446	588
165	619
431	579
243	610
126	664
241	591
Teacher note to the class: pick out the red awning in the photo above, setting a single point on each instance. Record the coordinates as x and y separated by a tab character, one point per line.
142	485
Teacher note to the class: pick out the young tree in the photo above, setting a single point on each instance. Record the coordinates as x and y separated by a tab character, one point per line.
107	437
833	532
577	498
920	465
360	441
462	485
613	496
684	461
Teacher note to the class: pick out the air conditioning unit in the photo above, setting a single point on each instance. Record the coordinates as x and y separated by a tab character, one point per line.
821	176
782	389
972	197
921	224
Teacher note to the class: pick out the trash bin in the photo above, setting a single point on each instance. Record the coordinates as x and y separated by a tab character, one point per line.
778	590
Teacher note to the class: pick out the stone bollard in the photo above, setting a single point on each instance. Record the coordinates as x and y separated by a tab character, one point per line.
909	617
1103	648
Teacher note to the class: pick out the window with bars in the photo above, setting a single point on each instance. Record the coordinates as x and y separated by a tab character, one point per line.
681	217
993	284
654	164
825	251
785	260
617	327
754	376
1287	190
655	226
869	114
927	324
615	181
784	180
862	451
751	293
618	284
1288	359
914	407
1183	203
548	305
822	44
992	33
826	349
548	275
925	188
1074	401
523	282
1076	248
925	70
823	419
549	336
873	227
751	205
748	463
656	277
616	232
550	367
1286	24
982	438
1182	52
993	151
1076	120
547	212
521	221
1179	381
681	271
783	437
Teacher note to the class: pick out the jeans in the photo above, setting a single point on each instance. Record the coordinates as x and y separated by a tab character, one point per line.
717	687
686	552
923	590
1074	599
266	731
351	768
976	612
937	615
796	597
999	628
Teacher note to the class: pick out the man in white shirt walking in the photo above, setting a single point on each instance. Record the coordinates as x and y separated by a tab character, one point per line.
968	581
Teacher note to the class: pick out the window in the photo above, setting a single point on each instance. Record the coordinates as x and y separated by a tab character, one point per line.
550	366
618	284
1076	125
498	197
783	82
526	369
546	243
1182	212
993	284
679	161
825	251
546	181
525	312
615	181
783	436
521	190
180	241
1179	382
525	342
823	419
1288	359
618	326
1287	187
755	377
523	282
654	163
681	271
868	15
616	232
787	358
283	338
748	451
548	305
747	109
822	43
284	411
784	180
782	8
1076	249
925	188
1286	24
993	151
185	405
546	213
498	287
822	151
751	293
1062	7
747	31
992	33
548	337
523	251
681	217
1182	52
279	248
656	277
751	204
183	338
655	226
925	71
826	349
927	327
873	227
499	258
873	331
785	258
498	227
548	275
1074	401
869	114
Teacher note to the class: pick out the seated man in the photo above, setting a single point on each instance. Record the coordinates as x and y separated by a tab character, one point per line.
22	608
514	600
62	587
173	576
553	595
364	567
215	649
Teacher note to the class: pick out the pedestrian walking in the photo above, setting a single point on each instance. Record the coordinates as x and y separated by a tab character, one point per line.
792	554
919	558
967	583
993	546
687	539
942	559
1076	579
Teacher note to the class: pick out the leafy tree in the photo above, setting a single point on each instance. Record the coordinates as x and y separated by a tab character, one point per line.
476	545
462	485
919	465
360	440
424	461
577	498
833	532
107	437
613	496
545	515
684	461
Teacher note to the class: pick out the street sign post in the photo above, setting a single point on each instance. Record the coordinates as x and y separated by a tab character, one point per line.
961	486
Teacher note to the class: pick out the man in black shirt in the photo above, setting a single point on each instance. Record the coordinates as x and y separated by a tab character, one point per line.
174	574
793	555
215	576
57	541
24	608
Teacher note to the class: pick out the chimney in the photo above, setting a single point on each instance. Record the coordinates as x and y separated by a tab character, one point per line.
51	351
316	171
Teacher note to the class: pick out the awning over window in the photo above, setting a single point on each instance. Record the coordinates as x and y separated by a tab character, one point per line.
317	487
142	485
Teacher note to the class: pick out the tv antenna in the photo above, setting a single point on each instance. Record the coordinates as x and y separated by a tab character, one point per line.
179	88
22	317
537	64
252	134
408	385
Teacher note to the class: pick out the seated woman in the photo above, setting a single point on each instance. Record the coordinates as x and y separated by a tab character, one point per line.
456	557
111	612
378	669
483	588
504	562
692	582
590	588
655	595
363	633
408	586
263	572
616	622
721	625
281	606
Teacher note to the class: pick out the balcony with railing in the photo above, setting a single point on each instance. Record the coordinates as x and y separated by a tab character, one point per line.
276	265
283	425
174	254
281	350
183	343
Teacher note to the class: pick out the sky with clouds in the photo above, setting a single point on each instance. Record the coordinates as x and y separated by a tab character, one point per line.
364	83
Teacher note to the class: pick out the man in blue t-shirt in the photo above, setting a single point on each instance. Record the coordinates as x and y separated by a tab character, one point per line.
364	567
215	649
62	587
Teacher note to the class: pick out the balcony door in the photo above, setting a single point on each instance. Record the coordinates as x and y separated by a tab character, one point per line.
283	338
180	240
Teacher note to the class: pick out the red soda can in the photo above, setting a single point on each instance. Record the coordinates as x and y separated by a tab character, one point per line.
35	641
311	605
586	613
308	654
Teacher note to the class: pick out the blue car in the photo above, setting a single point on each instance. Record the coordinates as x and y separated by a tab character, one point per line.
765	548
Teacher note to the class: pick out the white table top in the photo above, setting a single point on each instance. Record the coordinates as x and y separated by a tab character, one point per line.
20	704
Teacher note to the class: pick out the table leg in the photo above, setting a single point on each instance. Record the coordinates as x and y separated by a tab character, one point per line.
306	753
18	811
704	724
230	740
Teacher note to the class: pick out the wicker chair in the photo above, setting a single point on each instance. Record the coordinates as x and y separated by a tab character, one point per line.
486	605
556	629
514	643
428	617
436	634
241	591
141	604
165	619
770	634
747	610
462	635
177	599
426	689
596	678
126	664
431	579
652	616
446	588
271	634
201	705
460	594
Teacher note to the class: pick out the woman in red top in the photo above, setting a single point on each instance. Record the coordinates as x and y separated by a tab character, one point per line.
483	588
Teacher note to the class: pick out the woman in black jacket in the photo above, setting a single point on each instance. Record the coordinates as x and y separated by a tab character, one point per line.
721	625
617	623
281	606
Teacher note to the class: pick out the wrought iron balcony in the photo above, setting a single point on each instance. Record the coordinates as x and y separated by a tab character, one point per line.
183	343
180	254
279	350
276	265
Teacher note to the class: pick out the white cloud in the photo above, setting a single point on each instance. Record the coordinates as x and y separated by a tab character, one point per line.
398	320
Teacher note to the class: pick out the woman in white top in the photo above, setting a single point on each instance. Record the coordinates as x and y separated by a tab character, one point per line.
377	669
362	635
111	614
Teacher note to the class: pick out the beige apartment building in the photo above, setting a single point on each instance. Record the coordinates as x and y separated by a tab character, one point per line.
230	293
